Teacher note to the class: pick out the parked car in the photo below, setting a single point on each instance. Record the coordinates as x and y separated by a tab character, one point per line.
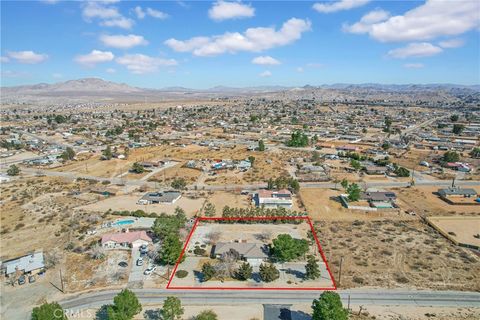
140	261
149	270
143	249
123	264
31	279
21	280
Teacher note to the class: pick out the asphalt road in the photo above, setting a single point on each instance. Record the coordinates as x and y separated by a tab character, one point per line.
324	185
383	297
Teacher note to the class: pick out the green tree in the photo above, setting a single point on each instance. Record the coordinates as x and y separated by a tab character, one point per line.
244	272
268	272
458	128
312	268
286	248
13	170
125	306
451	156
475	153
207	315
49	311
355	164
68	154
454	118
386	145
107	153
137	168
298	139
402	172
261	145
209	209
353	191
344	183
208	271
170	250
329	307
179	183
172	309
251	159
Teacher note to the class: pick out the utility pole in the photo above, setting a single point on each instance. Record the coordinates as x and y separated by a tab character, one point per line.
61	281
340	271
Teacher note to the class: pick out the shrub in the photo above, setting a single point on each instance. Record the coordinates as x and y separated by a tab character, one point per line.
181	274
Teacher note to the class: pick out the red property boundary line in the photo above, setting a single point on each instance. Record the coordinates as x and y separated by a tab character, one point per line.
198	219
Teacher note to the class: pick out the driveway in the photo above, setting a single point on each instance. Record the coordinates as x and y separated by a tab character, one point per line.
136	273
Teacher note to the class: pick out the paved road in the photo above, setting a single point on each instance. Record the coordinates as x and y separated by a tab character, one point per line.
321	185
229	297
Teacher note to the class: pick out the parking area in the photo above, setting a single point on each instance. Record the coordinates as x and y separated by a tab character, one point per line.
136	273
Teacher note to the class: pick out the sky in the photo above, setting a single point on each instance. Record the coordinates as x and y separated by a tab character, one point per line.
200	44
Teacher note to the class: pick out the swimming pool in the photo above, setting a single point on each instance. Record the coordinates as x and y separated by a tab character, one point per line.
123	222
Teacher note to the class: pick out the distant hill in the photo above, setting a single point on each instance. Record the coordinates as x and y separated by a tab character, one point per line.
101	91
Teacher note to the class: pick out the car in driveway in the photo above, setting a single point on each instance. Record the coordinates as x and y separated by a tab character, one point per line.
140	261
22	280
31	279
150	270
143	249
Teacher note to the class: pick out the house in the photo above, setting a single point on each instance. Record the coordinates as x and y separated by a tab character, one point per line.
458	166
29	264
273	199
4	179
375	170
168	197
379	199
244	165
460	196
347	148
253	253
128	239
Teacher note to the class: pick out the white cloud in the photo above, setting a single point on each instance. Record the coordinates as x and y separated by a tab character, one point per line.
123	41
94	57
57	75
434	18
156	14
253	39
299	69
108	15
122	22
413	65
4	59
111	70
139	12
265	74
50	1
314	65
416	49
14	74
29	57
265	60
99	10
451	43
339	5
366	22
151	12
223	10
140	63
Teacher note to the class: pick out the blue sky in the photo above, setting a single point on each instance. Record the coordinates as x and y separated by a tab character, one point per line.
205	44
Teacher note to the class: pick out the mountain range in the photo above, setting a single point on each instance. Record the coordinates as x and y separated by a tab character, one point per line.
98	90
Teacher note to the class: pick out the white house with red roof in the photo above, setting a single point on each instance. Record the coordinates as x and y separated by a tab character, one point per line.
128	239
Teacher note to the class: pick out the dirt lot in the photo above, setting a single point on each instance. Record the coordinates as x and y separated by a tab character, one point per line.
82	272
321	204
422	200
461	229
38	214
394	254
129	202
